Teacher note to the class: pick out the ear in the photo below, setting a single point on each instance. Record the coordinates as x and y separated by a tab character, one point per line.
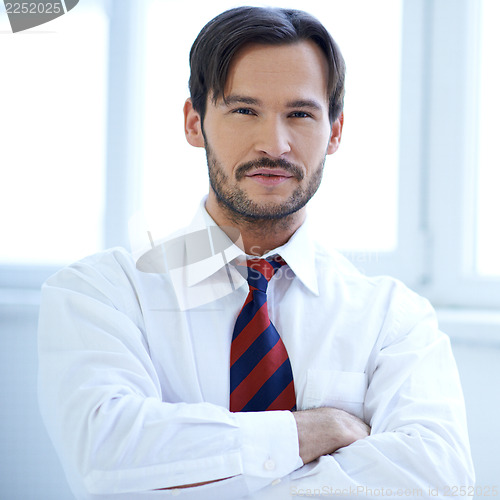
192	125
336	135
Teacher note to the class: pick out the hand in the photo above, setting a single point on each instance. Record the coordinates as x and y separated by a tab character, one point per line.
324	430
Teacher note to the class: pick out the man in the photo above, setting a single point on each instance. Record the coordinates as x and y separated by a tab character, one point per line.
240	358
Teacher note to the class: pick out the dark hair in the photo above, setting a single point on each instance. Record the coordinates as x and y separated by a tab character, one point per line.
223	36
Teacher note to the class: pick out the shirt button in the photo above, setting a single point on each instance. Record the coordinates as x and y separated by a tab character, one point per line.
275	482
269	465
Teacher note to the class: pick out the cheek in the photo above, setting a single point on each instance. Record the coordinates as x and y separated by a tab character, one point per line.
310	144
229	145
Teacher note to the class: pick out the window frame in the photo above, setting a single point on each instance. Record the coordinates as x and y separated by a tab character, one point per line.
437	187
452	163
408	261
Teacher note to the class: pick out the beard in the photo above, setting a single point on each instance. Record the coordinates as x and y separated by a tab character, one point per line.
235	201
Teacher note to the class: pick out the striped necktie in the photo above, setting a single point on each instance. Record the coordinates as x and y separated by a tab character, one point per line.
260	375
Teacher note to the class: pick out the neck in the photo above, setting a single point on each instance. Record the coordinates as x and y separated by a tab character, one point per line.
256	236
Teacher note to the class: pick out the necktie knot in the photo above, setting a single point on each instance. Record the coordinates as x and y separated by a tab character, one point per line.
258	272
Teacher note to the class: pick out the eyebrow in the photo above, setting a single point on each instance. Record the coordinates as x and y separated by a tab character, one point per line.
304	103
299	103
240	99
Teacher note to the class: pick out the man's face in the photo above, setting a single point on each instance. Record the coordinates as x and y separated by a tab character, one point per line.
266	144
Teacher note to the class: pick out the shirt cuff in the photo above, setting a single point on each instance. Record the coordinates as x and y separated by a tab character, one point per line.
269	443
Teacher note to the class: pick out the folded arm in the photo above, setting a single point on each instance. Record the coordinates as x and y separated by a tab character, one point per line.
102	403
415	408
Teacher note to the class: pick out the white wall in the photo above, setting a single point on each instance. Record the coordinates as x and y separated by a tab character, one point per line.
29	467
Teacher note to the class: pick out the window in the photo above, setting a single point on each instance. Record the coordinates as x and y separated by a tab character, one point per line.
410	193
460	167
53	139
488	182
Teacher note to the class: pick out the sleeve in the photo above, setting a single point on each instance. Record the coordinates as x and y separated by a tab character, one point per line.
102	404
419	444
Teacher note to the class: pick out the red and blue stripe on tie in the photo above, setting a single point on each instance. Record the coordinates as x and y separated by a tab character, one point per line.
260	374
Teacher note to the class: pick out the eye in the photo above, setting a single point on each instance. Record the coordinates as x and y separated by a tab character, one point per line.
300	114
243	111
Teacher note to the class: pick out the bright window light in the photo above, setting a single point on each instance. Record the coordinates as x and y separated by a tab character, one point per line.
52	129
356	206
488	185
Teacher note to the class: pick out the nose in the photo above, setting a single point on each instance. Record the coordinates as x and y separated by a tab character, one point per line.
273	138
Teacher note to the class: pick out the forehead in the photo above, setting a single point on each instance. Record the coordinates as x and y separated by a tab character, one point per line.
292	70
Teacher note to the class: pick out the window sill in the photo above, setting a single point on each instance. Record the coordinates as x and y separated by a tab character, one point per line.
471	326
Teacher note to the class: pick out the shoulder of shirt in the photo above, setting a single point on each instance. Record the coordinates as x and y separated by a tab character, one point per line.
334	260
399	297
107	275
112	259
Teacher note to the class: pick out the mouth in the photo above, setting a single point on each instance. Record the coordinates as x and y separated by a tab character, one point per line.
269	177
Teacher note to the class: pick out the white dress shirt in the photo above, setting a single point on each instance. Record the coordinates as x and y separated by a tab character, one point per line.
134	376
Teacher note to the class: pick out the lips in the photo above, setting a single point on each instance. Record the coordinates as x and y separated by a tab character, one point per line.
277	172
269	176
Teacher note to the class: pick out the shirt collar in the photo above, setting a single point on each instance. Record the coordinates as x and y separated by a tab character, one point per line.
203	249
299	252
216	246
199	250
